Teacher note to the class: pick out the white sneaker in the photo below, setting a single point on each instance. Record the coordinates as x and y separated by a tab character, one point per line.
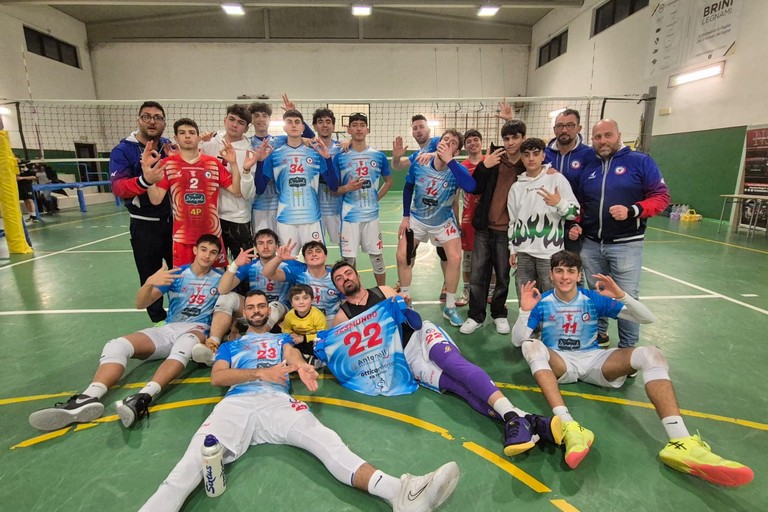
426	493
502	325
469	326
202	354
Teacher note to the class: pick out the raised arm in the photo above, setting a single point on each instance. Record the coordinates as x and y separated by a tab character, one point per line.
151	290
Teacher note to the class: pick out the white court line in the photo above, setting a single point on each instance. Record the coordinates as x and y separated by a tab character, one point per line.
62	251
415	303
700	288
643	299
98	252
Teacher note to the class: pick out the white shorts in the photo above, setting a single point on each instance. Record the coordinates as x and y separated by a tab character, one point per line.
587	366
361	234
300	234
438	235
426	372
332	225
165	336
264	219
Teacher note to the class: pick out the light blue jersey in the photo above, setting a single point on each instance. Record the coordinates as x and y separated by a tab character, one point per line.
368	165
431	147
365	353
276	291
433	193
296	173
572	325
326	296
268	200
251	352
330	203
191	297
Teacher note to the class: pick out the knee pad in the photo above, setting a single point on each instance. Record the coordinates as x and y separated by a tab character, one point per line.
466	262
277	311
651	361
118	351
351	261
536	354
182	348
377	262
228	303
441	253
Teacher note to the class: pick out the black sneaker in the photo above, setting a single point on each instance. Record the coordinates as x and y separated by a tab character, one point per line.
78	409
549	430
603	341
133	408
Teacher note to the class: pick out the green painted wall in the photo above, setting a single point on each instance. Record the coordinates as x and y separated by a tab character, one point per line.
699	166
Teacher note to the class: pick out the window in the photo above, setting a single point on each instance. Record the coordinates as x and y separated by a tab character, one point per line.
553	48
47	46
614	11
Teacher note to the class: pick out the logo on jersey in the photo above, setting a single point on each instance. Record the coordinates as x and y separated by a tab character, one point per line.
586	317
208	173
429	202
194	198
214	291
310	160
620	170
297	181
373	164
575	164
445	184
315	235
593	175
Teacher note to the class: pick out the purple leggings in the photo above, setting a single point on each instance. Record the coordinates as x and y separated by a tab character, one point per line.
463	378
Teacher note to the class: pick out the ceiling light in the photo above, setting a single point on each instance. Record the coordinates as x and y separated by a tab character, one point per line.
488	10
233	9
361	10
4	111
554	113
697	74
433	123
276	124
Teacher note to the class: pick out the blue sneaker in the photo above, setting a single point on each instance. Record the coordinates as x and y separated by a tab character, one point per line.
453	316
518	437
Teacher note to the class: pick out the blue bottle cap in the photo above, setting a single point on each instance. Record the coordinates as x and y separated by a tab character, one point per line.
210	440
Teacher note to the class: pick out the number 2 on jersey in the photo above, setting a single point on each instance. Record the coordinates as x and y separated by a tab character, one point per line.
354	338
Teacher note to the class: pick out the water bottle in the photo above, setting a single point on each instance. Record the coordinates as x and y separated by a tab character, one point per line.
214	480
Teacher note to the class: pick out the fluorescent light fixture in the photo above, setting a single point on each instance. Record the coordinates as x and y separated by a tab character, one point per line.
361	10
433	123
233	9
276	124
4	111
488	10
697	74
554	113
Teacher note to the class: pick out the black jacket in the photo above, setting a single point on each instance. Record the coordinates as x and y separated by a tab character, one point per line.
486	183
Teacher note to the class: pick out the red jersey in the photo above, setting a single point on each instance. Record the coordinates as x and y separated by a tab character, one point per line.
469	200
194	189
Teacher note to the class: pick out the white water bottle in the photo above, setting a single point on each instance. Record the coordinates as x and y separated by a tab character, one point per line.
214	479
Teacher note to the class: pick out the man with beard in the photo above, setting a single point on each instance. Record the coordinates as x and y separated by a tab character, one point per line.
437	364
258	409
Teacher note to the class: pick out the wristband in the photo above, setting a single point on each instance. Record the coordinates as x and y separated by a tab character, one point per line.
232	268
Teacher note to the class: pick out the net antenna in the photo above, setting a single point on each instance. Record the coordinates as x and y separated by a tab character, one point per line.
35	124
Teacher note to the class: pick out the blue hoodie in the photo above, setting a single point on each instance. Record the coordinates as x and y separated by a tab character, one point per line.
570	164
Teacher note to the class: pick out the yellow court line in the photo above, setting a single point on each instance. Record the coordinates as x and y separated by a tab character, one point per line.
31	398
564	506
507	466
645	405
711	241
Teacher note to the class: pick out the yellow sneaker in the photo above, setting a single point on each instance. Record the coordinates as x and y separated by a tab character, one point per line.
577	440
694	456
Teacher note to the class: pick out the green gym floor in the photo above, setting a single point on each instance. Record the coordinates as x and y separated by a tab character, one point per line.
59	306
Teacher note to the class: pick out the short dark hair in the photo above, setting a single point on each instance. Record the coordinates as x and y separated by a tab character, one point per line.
300	288
321	113
293	113
152	104
513	127
570	112
341	264
241	112
418	117
313	243
260	293
565	259
472	133
532	144
208	238
260	107
456	133
184	121
267	232
358	116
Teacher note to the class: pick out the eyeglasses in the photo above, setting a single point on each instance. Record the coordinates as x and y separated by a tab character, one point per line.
560	126
156	118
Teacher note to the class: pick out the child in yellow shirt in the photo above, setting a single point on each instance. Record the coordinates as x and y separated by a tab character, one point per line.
303	321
